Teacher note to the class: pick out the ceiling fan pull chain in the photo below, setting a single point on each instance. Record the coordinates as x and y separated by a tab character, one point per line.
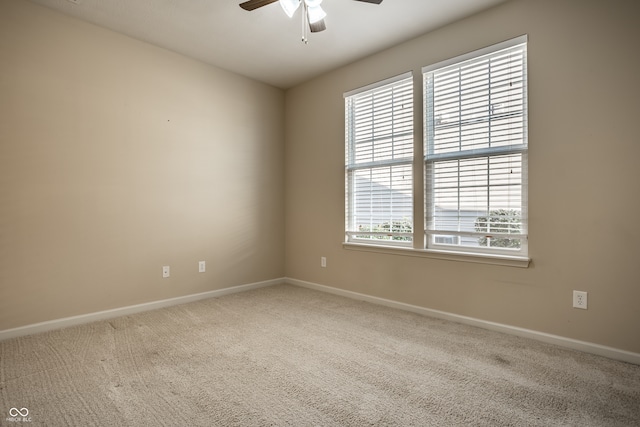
305	39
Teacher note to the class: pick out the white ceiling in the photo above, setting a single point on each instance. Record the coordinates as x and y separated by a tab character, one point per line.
265	44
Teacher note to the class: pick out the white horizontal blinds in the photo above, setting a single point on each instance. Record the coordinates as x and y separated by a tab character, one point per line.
477	198
479	104
379	155
476	141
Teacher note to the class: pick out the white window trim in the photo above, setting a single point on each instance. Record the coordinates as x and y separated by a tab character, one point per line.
498	259
478	258
476	53
384	82
350	235
521	254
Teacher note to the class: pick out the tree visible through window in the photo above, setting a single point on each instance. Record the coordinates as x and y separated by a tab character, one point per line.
498	222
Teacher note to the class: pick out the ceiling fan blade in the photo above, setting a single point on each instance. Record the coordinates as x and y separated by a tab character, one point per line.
371	1
254	4
318	26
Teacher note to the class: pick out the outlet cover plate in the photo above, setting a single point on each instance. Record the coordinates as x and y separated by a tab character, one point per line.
580	300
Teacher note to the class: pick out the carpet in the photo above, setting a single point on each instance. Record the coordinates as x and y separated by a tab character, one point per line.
290	356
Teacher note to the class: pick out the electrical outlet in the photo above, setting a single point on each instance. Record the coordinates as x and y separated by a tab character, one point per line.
202	267
165	272
580	300
323	262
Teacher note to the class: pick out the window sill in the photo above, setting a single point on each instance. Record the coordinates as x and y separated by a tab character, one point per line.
505	260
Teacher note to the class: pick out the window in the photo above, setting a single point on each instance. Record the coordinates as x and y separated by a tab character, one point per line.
379	156
476	151
475	160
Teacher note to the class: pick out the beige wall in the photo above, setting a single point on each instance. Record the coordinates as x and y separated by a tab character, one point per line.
584	101
116	158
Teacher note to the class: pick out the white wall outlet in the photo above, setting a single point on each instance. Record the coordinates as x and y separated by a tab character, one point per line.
323	261
166	272
580	299
202	267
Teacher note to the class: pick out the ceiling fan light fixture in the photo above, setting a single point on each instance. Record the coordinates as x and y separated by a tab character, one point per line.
312	14
290	6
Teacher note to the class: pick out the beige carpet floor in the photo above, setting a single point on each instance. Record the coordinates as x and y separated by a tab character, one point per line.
289	356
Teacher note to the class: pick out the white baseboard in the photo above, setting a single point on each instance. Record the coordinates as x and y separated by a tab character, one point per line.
125	311
587	347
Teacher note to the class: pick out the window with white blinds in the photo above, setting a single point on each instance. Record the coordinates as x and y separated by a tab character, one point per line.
475	129
379	156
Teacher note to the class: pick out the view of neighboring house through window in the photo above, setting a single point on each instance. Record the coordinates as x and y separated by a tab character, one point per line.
476	151
379	156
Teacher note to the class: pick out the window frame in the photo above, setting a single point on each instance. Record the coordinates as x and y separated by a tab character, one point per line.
353	166
430	160
419	246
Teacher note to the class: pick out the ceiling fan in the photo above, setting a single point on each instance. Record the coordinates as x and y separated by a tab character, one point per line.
313	15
